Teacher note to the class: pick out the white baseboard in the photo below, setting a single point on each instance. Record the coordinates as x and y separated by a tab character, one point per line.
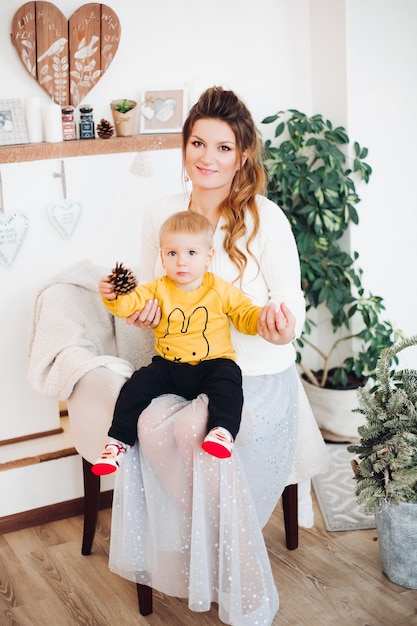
34	484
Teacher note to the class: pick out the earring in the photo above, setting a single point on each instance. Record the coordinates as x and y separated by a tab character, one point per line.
187	180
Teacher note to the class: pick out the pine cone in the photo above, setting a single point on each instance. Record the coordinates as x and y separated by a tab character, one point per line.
124	281
105	130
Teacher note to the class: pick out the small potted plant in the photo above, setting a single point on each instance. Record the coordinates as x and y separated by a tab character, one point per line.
386	472
124	116
312	177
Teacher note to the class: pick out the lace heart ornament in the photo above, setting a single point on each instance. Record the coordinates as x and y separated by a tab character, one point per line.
64	217
13	229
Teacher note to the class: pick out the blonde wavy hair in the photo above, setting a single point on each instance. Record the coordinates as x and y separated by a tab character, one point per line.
249	180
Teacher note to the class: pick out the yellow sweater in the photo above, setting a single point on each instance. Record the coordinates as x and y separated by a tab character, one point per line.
195	325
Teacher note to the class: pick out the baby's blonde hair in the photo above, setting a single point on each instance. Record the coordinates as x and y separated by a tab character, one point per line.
187	222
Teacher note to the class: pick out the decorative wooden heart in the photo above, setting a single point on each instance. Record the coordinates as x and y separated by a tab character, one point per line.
13	228
66	57
64	217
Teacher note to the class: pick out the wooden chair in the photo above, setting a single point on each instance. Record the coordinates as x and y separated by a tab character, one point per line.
91	507
95	340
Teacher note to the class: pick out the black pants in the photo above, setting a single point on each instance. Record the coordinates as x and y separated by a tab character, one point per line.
220	379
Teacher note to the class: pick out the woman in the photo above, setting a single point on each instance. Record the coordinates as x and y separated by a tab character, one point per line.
216	510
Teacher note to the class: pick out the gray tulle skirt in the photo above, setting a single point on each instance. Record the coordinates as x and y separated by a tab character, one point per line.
189	524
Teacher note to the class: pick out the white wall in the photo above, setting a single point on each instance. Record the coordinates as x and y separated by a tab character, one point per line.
382	62
364	55
259	49
108	230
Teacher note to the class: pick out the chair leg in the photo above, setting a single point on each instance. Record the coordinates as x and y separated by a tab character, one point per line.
144	599
91	505
290	508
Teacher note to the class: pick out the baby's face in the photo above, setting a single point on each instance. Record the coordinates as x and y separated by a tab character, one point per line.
185	258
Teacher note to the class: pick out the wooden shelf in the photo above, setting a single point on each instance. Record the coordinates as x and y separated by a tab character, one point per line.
87	147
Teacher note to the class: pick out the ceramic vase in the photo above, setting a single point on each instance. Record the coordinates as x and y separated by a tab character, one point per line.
397	538
333	411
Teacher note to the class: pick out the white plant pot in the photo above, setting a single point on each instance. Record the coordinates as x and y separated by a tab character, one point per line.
397	538
333	408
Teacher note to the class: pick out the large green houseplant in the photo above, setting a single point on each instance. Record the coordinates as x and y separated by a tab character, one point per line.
312	171
312	177
386	469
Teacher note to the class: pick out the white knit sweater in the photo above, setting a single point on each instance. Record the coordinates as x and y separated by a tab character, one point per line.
277	281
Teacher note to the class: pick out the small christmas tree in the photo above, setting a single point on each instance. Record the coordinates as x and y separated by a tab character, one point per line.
387	467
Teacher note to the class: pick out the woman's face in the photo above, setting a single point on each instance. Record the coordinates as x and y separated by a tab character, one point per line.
211	156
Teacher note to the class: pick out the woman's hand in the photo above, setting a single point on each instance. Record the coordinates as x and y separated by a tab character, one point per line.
276	324
148	317
106	289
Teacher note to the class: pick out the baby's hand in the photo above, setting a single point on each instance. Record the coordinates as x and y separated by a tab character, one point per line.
106	289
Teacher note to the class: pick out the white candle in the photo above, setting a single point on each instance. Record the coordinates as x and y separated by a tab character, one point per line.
33	119
52	123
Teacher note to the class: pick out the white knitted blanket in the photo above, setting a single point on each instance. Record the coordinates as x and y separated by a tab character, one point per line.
72	333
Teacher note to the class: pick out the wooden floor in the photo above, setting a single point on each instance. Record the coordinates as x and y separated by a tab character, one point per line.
332	579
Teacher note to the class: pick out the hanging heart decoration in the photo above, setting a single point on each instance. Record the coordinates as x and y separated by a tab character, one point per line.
66	57
13	229
64	217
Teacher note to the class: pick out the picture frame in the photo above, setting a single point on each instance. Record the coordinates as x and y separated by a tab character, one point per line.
162	111
12	123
